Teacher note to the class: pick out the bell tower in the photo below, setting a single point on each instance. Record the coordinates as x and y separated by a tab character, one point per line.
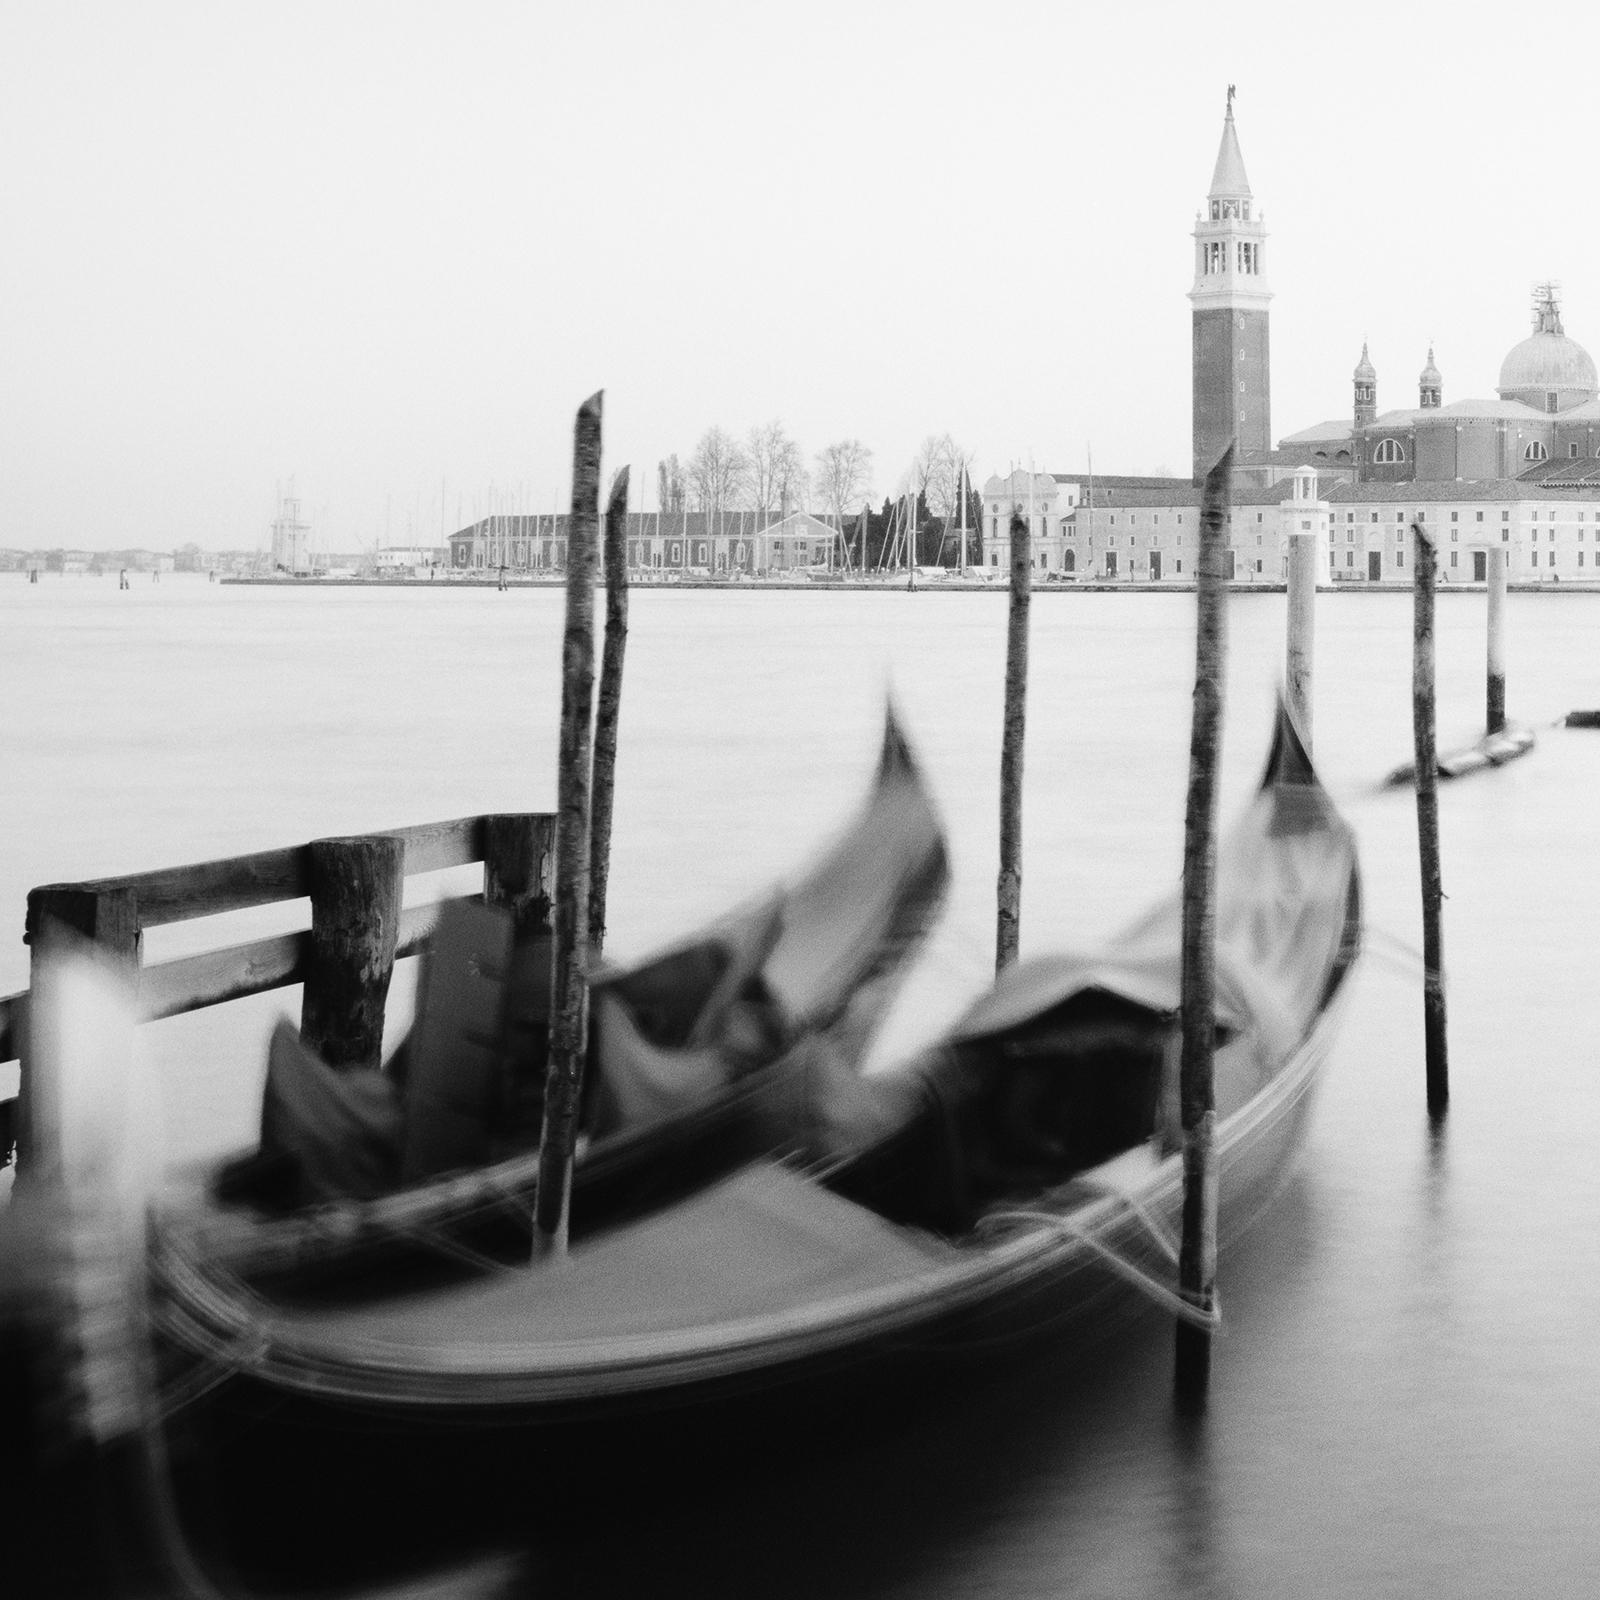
1365	378
1232	381
1430	386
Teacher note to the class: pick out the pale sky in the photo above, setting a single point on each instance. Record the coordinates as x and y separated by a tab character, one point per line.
383	250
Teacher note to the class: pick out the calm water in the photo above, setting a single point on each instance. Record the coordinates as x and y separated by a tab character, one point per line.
1405	1401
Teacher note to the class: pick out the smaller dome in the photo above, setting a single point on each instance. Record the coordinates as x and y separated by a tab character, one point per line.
1430	373
1364	372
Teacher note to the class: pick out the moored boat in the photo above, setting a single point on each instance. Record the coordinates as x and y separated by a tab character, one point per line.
1021	1176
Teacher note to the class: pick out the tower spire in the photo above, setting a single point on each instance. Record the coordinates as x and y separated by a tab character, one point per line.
1228	180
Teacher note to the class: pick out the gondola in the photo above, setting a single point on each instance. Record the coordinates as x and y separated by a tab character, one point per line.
680	1038
365	1164
1020	1176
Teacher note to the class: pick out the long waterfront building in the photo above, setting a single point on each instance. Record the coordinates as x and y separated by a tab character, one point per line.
691	543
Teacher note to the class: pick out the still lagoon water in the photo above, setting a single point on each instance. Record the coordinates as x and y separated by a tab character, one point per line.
1405	1399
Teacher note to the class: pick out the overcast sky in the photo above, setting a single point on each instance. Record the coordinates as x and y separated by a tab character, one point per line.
383	250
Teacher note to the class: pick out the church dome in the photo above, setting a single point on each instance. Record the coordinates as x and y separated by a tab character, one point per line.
1364	372
1548	361
1548	370
1430	374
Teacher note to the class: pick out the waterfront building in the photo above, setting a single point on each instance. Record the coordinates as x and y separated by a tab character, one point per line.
396	562
1138	531
693	544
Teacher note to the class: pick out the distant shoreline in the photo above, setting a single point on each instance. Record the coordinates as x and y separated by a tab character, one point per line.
878	586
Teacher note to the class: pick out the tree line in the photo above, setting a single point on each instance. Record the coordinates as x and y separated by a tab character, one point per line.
767	472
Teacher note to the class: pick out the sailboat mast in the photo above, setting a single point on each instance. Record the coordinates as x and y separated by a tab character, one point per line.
963	493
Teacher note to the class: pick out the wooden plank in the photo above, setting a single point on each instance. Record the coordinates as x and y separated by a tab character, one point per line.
206	888
191	983
171	988
238	883
432	846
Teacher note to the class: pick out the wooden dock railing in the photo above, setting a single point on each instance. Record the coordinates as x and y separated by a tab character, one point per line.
345	959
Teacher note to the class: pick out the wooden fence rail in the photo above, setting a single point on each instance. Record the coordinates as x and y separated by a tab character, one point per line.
516	851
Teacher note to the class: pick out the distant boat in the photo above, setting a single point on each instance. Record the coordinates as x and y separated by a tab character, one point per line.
1493	750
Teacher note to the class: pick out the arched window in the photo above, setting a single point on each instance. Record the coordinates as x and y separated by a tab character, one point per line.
1388	452
1536	452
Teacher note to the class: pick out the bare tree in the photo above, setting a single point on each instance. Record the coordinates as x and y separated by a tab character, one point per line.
937	474
794	483
843	476
718	471
670	487
777	469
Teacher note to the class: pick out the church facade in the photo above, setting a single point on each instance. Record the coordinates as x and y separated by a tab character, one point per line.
1545	408
1519	471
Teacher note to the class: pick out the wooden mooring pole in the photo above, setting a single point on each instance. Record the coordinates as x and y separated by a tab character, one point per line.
356	889
1304	557
1008	920
569	1010
1495	718
609	713
1427	764
1197	1254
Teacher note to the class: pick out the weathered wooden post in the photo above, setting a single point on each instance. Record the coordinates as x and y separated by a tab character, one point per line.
569	1010
1197	1255
356	886
1303	558
609	712
94	1510
517	851
1008	929
1427	764
518	862
1496	698
109	919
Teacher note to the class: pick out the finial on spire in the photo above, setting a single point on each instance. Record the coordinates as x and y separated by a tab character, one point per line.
1231	92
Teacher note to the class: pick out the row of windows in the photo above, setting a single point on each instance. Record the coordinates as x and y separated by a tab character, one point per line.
1389	451
1455	559
1108	520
